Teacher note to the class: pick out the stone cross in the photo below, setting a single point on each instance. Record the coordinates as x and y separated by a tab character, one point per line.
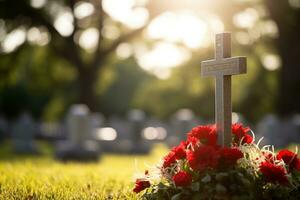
222	67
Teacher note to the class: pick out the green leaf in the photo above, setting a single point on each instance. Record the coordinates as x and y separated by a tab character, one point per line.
206	179
220	188
195	186
176	196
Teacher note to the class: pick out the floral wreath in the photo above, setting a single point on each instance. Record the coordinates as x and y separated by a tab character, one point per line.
198	168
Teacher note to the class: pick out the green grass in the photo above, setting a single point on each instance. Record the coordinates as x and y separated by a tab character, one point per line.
42	177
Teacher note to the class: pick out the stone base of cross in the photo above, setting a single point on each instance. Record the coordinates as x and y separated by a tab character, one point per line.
222	67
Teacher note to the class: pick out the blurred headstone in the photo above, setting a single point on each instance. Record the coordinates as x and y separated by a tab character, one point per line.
137	119
97	120
125	135
52	131
181	123
277	132
80	145
3	128
23	130
296	122
155	130
122	142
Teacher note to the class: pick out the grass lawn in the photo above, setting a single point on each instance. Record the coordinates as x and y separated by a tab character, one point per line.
42	177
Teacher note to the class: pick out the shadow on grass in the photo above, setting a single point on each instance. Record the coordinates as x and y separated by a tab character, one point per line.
7	152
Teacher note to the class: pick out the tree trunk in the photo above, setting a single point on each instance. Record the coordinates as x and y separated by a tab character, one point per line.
87	78
288	22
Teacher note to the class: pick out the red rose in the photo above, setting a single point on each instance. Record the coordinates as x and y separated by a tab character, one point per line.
202	158
169	159
239	132
140	185
205	134
289	159
179	151
182	179
229	156
269	157
273	173
193	141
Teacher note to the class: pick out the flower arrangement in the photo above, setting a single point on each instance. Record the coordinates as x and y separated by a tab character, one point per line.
198	168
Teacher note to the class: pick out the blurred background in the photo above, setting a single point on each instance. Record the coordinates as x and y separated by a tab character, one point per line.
120	75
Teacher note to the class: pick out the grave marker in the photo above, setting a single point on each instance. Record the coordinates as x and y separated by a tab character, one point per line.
222	67
23	131
80	144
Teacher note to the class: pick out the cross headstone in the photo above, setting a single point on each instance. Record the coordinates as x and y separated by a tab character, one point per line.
222	67
80	144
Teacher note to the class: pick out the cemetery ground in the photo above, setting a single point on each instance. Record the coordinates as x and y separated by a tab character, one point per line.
42	177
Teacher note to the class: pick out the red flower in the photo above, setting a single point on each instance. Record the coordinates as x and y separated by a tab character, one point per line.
269	157
206	134
182	178
273	173
179	151
169	159
193	141
229	156
239	132
202	158
140	185
289	159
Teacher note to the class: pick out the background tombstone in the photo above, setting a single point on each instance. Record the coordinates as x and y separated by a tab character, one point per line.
137	119
155	131
80	144
122	142
52	131
97	120
3	128
181	123
278	132
23	131
296	122
269	128
129	138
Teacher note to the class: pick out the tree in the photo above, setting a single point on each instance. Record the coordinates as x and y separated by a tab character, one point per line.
87	64
287	17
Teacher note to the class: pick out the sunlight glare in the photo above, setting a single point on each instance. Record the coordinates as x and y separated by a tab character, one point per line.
182	27
110	31
243	38
88	39
13	40
64	23
150	133
38	36
246	18
164	27
125	12
83	9
124	50
162	56
271	62
154	133
216	24
269	28
38	3
192	30
235	117
106	134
